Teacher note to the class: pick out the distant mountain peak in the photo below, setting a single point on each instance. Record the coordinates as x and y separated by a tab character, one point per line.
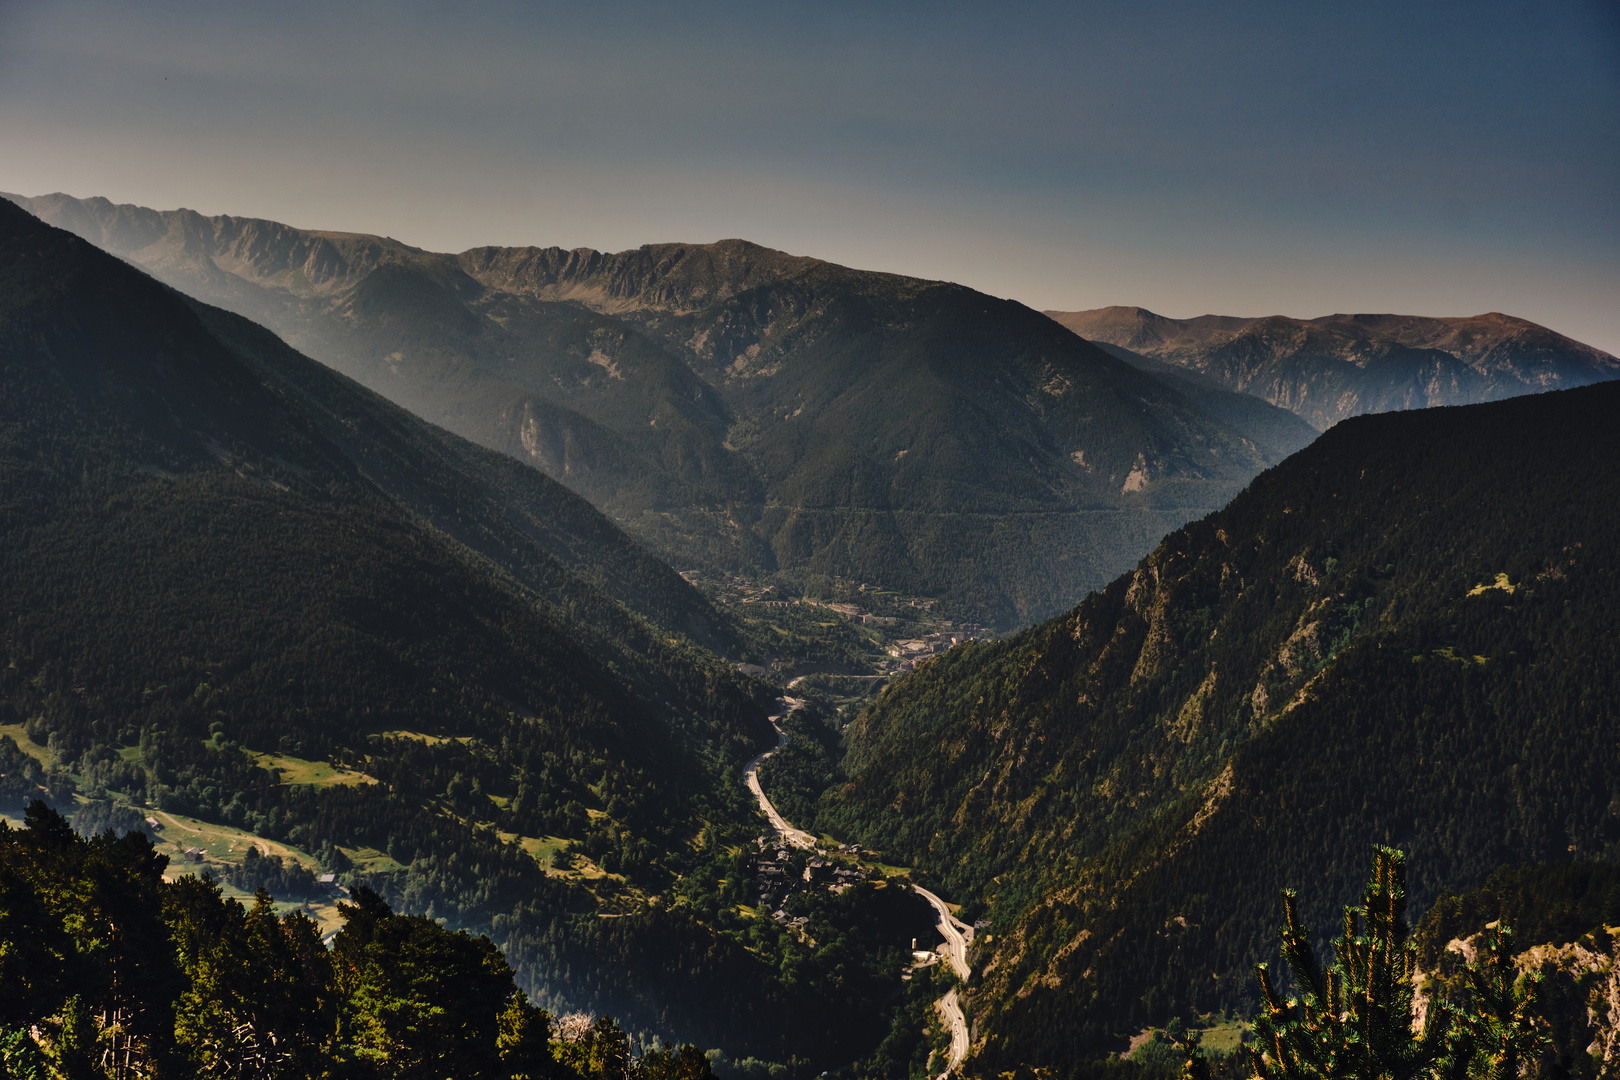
668	276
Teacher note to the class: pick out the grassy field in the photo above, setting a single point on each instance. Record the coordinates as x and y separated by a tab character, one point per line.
219	843
1219	1037
225	844
299	772
371	861
27	745
540	848
1224	1038
431	740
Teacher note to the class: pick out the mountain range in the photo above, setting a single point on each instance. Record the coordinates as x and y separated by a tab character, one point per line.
1337	366
745	410
246	598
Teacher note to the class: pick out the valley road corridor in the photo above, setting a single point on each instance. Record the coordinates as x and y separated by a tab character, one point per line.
797	837
957	934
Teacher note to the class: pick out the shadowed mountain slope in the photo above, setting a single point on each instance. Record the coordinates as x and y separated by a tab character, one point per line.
221	508
1344	365
1405	633
1263	421
745	409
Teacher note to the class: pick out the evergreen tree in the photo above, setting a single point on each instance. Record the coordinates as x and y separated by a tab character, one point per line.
1504	1020
523	1040
260	1001
1355	1019
420	1000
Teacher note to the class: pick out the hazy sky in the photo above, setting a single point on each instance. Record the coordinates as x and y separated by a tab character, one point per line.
1294	157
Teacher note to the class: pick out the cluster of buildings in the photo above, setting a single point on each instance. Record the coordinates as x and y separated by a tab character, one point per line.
908	653
777	875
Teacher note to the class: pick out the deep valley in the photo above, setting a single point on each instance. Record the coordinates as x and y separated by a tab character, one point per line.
462	593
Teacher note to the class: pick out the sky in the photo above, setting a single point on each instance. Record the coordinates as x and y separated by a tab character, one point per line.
1293	158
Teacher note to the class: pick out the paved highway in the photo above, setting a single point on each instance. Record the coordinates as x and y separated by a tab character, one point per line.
951	1013
796	837
957	934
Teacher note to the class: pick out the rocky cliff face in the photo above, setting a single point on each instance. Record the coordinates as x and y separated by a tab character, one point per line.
1577	984
680	278
1342	365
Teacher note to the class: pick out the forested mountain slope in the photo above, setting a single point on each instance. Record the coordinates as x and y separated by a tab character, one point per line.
529	526
748	410
1406	633
1344	365
227	573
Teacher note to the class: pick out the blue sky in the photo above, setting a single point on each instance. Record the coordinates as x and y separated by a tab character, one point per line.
1247	159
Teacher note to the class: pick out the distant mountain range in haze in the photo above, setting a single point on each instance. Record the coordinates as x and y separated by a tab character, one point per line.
747	410
744	410
1344	365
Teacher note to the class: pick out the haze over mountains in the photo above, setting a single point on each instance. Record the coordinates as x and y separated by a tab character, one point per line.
744	409
1344	365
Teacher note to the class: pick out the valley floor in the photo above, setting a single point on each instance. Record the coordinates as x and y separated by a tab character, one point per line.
956	934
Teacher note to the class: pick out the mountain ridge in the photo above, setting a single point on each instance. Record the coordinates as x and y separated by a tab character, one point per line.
749	410
1334	366
206	589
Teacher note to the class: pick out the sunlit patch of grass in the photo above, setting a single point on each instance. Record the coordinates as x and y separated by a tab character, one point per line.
1224	1038
28	746
220	844
1502	583
539	848
371	861
299	772
431	740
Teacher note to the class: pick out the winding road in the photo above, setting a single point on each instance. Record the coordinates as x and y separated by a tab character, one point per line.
797	837
957	934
